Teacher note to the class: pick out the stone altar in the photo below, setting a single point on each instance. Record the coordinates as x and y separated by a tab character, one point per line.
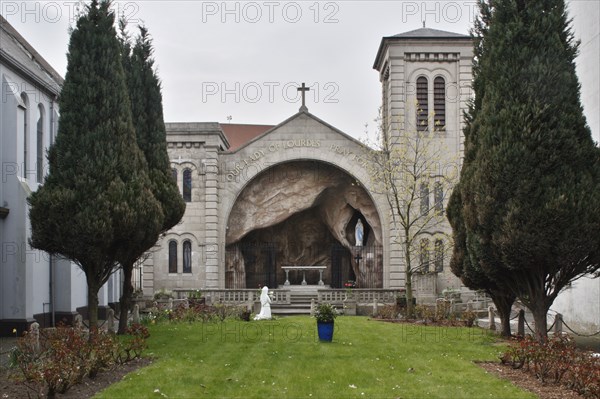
287	269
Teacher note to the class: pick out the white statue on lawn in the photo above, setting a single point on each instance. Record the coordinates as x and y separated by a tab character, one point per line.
265	305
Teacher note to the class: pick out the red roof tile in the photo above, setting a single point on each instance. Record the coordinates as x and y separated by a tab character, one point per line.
239	134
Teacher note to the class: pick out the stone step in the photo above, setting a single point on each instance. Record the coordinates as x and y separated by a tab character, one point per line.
290	311
301	300
293	305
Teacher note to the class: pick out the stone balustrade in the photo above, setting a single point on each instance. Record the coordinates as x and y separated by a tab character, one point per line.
283	296
237	296
360	295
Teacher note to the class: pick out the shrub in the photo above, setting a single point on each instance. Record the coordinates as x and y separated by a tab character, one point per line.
196	312
424	313
245	314
63	356
443	310
388	312
58	359
468	317
163	294
133	344
101	353
196	294
557	360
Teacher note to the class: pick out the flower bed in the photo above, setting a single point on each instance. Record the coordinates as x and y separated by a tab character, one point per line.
559	361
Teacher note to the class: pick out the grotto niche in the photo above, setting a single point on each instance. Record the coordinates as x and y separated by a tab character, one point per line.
303	213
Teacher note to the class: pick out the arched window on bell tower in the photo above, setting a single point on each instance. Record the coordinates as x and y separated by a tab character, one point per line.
187	185
439	103
422	104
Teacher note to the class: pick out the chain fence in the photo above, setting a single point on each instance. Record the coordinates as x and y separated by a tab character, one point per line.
578	334
564	324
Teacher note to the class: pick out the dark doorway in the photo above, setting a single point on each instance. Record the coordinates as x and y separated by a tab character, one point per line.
366	260
341	266
259	261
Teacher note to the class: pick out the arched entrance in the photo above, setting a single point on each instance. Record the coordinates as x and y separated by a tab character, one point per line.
303	213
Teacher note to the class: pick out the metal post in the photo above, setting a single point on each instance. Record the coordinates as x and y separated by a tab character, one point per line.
558	324
110	321
136	314
492	318
521	324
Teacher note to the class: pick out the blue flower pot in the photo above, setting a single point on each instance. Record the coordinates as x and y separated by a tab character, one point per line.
325	331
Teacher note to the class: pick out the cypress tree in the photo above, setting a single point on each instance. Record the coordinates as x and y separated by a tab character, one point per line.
146	107
467	267
531	198
464	264
96	197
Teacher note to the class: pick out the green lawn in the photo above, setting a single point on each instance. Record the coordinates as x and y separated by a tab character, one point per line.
283	358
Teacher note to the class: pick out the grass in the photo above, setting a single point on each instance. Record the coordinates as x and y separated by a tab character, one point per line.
283	358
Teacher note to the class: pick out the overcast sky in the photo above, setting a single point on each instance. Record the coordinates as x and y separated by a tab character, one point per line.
244	59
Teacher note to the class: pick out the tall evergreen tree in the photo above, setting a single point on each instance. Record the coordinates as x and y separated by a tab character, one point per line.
467	267
463	264
146	107
96	197
531	203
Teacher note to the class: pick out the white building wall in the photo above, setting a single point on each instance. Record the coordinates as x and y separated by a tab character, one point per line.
25	290
580	303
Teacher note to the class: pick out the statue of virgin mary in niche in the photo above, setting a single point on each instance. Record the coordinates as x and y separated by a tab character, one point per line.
359	233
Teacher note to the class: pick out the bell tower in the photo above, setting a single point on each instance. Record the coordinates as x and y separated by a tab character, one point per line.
425	78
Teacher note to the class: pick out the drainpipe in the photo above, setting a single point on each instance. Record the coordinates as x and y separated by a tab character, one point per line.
51	260
51	288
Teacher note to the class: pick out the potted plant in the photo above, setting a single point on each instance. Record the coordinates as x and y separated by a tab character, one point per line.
325	315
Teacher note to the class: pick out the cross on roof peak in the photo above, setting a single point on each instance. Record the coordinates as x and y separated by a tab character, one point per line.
303	89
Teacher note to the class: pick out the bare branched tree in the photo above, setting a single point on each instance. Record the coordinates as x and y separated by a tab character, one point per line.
410	167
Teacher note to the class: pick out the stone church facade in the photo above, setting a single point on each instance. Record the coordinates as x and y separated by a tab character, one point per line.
258	197
263	197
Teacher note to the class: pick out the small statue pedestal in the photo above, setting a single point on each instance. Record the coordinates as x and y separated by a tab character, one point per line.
350	307
256	306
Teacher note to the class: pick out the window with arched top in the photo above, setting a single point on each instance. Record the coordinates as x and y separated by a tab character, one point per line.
424	198
424	256
172	256
187	256
422	104
439	255
187	185
439	102
438	194
174	174
25	131
40	145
